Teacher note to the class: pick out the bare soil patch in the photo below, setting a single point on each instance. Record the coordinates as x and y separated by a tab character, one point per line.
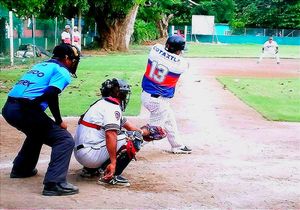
239	160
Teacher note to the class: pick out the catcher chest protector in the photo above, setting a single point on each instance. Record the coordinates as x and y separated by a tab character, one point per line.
127	152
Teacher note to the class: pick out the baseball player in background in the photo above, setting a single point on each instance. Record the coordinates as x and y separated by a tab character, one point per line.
270	49
66	35
165	65
76	38
25	108
101	143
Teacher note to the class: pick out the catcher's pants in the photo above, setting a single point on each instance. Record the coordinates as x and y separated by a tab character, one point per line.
269	54
162	115
39	129
94	156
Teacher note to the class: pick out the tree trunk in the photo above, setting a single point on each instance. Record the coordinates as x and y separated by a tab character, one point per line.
115	36
163	25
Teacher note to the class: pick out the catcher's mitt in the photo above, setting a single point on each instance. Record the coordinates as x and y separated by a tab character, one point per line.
155	132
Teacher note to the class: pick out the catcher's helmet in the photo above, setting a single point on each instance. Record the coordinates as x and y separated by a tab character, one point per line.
116	88
72	53
175	43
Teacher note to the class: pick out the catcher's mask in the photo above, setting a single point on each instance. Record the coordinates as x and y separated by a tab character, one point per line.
175	43
70	52
116	88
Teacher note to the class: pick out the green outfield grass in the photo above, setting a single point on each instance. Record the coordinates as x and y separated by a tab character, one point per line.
93	70
237	50
275	99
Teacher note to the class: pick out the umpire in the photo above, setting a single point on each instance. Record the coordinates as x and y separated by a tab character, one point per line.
24	109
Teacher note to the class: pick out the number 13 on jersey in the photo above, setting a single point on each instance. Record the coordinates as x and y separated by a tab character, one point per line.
158	72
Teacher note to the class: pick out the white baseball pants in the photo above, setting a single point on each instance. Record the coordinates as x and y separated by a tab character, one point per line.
95	156
162	115
269	54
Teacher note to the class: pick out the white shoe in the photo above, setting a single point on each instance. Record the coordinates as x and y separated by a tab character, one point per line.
181	150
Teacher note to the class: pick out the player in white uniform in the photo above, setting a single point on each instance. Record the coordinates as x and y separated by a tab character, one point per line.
165	65
270	49
76	38
66	36
100	144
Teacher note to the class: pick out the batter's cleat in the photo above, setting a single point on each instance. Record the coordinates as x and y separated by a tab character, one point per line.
181	150
90	172
116	180
59	189
17	174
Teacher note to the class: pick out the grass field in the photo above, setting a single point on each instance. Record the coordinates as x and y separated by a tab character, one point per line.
275	99
130	66
237	50
92	71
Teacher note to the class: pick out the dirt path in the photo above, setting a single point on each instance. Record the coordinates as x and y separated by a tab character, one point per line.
239	160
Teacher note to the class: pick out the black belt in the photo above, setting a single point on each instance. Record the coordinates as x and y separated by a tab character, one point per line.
19	100
155	95
80	146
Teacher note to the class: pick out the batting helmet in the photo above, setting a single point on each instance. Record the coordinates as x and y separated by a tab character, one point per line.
175	43
69	51
116	88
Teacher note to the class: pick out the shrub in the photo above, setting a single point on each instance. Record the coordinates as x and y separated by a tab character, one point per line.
144	31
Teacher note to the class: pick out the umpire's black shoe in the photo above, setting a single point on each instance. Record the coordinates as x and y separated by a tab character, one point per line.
58	189
17	174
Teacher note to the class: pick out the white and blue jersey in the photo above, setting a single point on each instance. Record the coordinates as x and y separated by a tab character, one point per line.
162	72
34	83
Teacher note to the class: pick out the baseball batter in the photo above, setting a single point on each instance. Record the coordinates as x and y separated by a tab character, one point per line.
270	49
165	65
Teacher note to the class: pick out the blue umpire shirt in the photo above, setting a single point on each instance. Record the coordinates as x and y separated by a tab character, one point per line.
34	83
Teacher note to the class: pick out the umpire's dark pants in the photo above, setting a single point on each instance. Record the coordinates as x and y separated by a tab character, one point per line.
39	129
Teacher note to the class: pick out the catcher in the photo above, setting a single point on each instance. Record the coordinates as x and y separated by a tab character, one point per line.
102	145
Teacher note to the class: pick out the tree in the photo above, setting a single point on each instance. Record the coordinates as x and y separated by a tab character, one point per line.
159	12
268	13
114	18
23	8
223	10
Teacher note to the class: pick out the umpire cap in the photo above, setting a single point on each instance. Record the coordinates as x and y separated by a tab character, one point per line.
60	51
72	53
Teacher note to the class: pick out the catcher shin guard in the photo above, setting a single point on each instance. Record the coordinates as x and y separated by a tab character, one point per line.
125	154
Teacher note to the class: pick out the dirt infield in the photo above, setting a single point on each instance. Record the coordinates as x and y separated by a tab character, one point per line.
239	160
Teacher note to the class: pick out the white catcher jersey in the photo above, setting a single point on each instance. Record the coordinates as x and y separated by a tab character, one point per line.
104	113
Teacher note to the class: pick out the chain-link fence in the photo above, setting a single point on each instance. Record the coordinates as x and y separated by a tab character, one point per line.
224	29
264	32
31	38
226	34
